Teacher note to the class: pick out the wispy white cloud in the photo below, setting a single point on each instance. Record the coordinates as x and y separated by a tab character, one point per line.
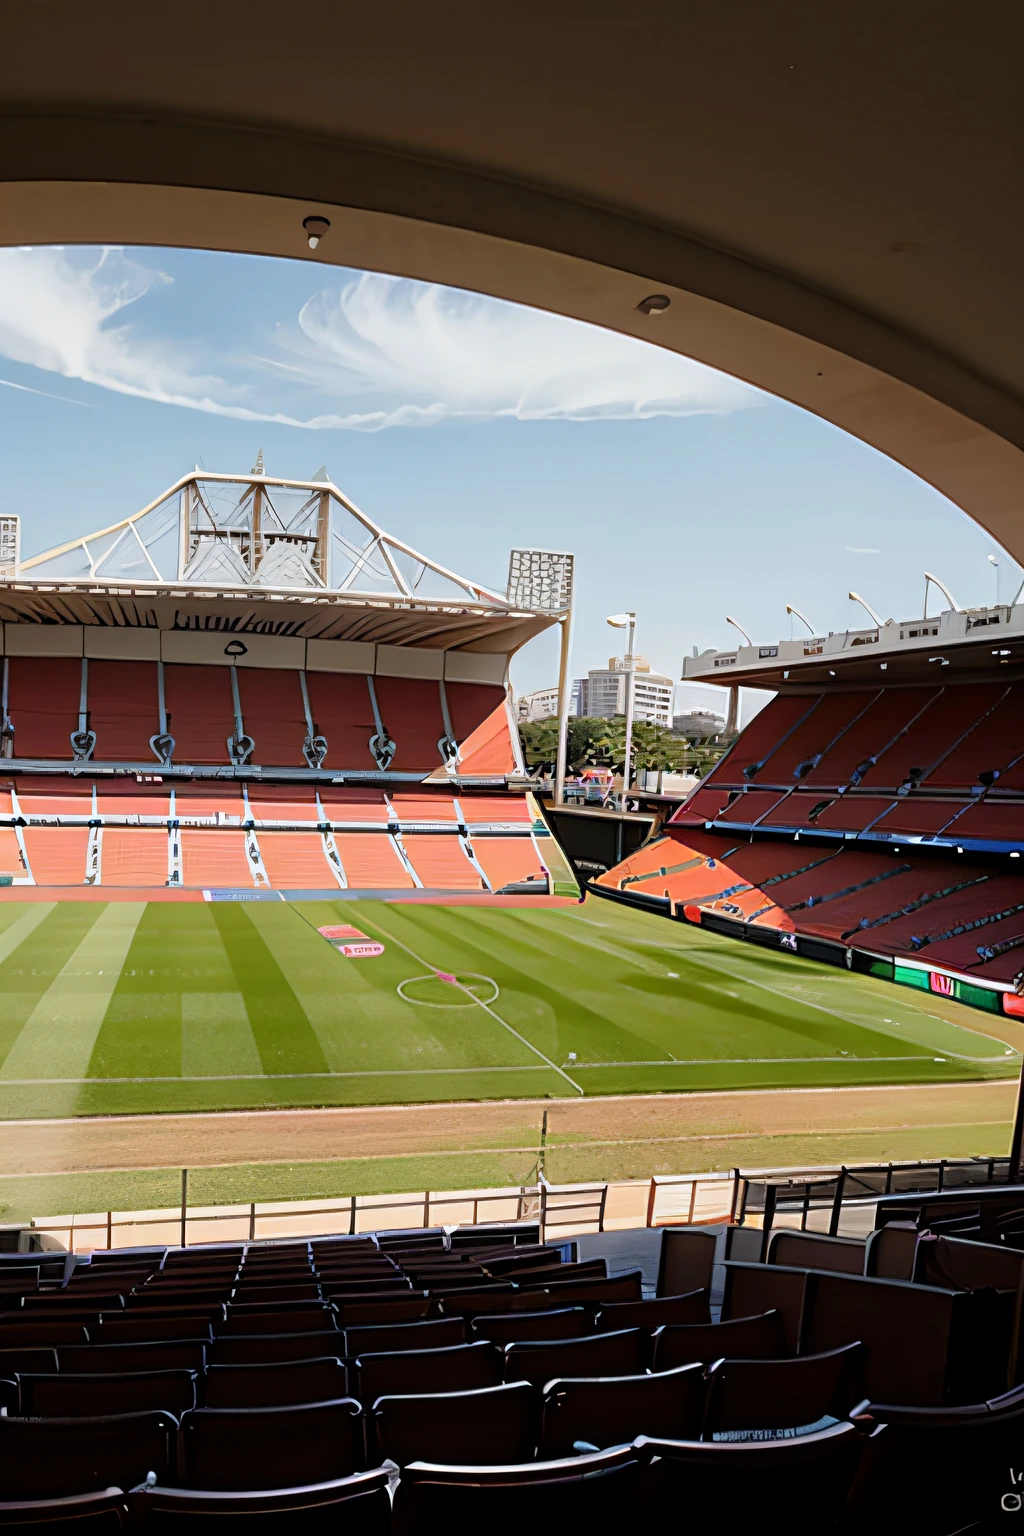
372	353
48	394
853	549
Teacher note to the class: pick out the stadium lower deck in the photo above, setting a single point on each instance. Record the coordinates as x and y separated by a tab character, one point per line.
127	1007
882	821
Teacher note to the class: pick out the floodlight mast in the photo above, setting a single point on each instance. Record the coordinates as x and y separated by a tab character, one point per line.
627	621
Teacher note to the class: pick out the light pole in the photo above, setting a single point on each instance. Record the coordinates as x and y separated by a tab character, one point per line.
995	564
627	621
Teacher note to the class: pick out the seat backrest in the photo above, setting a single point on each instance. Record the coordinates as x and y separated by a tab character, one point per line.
628	1287
177	1355
691	1307
152	1330
907	1330
605	1411
476	1303
273	1348
374	1338
357	1506
589	1493
598	1354
269	1386
754	1288
32	1360
484	1426
236	1448
813	1250
740	1338
88	1396
94	1514
507	1328
47	1458
456	1369
891	1251
723	1484
411	1308
783	1394
934	1470
47	1332
301	1320
686	1260
957	1263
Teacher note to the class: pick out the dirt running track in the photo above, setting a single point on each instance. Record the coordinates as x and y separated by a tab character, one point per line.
212	1140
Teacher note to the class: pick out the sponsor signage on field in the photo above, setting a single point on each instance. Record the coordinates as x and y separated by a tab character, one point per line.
351	942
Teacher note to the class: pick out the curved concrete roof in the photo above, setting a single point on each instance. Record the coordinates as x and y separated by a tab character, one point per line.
829	196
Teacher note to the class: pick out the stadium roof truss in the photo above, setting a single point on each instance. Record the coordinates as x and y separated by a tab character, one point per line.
296	542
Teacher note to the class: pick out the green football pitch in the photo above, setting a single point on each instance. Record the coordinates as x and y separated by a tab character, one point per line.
144	1007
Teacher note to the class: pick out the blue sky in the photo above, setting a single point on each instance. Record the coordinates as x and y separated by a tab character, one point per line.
464	426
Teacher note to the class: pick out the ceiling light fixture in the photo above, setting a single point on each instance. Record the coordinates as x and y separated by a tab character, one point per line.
316	227
654	304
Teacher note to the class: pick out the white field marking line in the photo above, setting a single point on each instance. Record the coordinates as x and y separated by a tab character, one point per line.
957	1085
256	1077
420	1002
739	1061
681	950
480	1004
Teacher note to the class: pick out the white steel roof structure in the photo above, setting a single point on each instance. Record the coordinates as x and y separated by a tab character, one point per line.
299	545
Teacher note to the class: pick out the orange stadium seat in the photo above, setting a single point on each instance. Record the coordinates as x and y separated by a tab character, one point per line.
410	709
441	863
214	859
283	802
273	715
343	804
11	862
57	855
129	799
371	861
123	709
295	860
43	695
134	857
343	715
200	710
480	723
438	807
507	860
494	808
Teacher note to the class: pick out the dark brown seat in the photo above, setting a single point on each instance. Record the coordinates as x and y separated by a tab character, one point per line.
46	1333
94	1514
815	1250
308	1291
270	1386
741	1338
411	1308
488	1425
587	1493
441	1333
152	1330
593	1413
104	1394
171	1355
272	1348
722	1485
690	1308
456	1369
512	1327
48	1458
476	1303
783	1394
935	1470
302	1320
34	1360
686	1260
626	1287
597	1354
356	1506
248	1448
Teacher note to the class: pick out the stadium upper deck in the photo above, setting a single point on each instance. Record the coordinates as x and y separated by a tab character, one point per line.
244	632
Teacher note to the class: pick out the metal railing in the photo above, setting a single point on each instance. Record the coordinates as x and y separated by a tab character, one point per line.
757	1198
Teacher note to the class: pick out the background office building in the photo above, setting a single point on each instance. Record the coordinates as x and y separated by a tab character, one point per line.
602	693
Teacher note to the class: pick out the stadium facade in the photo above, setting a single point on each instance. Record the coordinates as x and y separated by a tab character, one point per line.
248	687
872	815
